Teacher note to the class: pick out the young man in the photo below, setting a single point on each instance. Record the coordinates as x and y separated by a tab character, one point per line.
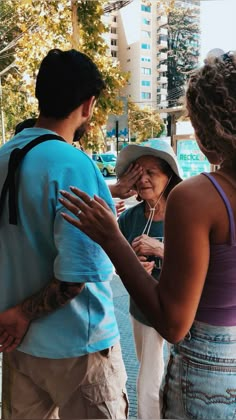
57	317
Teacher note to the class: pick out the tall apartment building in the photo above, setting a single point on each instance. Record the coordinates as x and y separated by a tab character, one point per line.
138	40
162	44
133	42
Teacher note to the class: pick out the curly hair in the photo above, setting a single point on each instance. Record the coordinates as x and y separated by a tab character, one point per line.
211	104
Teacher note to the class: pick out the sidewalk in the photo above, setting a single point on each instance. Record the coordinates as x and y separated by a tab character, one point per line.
0	386
121	303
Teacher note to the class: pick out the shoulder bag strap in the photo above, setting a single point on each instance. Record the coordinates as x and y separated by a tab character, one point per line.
9	185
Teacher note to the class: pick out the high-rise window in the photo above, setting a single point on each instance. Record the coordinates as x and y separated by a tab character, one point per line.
114	53
146	34
145	46
146	83
145	8
113	30
145	95
146	59
113	42
145	70
146	21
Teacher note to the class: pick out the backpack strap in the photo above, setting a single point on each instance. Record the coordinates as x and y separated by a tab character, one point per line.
9	185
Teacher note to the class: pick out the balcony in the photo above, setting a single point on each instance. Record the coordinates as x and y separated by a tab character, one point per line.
162	68
162	20
161	56
162	41
162	45
161	91
163	80
163	104
162	31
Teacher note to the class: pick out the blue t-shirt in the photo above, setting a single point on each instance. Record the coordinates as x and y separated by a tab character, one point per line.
132	223
43	246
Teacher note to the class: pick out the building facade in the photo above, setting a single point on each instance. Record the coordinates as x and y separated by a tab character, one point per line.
138	39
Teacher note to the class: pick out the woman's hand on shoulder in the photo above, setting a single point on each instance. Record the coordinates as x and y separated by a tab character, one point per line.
92	216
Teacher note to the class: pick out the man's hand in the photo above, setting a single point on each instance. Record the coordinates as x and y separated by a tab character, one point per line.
13	327
14	322
124	187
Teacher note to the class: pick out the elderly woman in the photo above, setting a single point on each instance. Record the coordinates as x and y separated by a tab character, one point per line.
142	225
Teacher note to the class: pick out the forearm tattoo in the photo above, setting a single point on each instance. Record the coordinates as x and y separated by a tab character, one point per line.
52	297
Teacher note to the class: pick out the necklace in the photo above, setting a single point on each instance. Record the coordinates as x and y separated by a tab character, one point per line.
147	227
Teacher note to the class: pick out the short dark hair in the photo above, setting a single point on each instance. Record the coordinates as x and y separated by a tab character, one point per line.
65	80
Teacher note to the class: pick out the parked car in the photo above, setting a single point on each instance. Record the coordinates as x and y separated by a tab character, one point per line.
106	162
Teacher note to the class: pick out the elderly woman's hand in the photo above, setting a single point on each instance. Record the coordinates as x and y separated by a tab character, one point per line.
146	245
147	265
124	187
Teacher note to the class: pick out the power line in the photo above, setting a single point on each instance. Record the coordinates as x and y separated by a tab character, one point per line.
116	5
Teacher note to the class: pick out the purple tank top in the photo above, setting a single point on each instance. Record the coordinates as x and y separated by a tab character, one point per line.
218	301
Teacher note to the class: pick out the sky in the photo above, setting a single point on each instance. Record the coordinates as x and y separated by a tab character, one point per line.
218	28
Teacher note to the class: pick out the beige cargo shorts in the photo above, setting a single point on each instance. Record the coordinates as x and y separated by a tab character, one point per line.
87	387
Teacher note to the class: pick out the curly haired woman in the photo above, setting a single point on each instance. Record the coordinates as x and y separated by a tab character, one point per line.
194	304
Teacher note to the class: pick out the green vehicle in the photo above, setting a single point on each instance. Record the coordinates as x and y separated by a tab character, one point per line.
106	162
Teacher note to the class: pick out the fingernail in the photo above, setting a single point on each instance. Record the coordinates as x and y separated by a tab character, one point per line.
62	192
72	188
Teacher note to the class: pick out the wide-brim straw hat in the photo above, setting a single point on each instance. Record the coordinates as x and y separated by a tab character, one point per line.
154	147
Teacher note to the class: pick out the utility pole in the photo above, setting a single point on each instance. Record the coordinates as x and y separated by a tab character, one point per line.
2	114
117	137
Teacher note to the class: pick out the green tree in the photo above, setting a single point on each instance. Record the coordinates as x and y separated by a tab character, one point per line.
9	33
42	26
144	123
183	49
58	24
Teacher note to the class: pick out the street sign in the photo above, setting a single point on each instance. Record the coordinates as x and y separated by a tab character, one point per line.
190	158
117	125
